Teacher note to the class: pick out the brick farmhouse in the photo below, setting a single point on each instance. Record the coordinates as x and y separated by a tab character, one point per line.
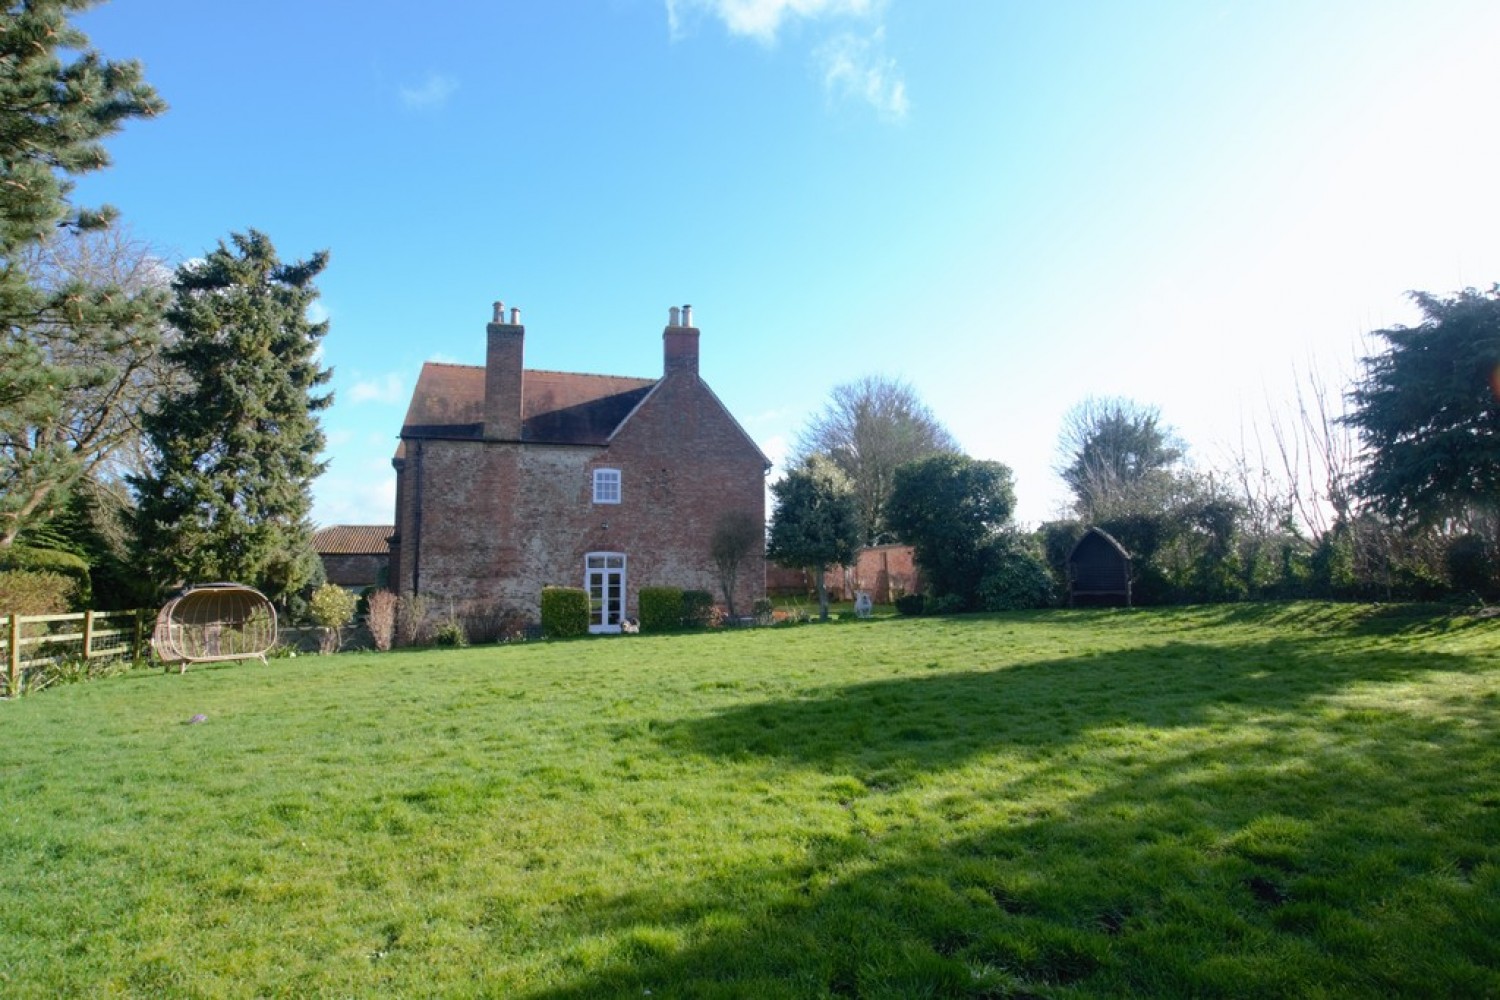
509	480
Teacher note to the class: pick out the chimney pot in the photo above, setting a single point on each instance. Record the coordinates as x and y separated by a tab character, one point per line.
515	316
676	319
499	316
687	315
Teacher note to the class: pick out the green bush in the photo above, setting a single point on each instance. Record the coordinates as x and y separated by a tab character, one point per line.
697	608
565	612
911	604
661	608
450	632
35	592
1020	580
66	564
764	611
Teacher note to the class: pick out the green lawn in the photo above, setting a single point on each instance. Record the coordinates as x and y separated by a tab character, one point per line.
1241	801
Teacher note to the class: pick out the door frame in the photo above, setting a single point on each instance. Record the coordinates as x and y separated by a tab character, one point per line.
605	616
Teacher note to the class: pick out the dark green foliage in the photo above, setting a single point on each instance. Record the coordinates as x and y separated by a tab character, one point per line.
58	100
51	562
236	450
660	608
1474	564
35	592
1018	577
816	522
697	608
565	612
948	508
1428	409
911	604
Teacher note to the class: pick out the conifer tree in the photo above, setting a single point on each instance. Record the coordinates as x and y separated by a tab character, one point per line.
236	451
58	100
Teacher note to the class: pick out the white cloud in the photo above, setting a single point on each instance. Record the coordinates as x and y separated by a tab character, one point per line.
388	388
430	93
317	312
761	19
367	496
853	65
857	68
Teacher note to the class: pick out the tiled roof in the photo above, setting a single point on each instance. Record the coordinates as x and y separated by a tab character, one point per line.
353	539
557	408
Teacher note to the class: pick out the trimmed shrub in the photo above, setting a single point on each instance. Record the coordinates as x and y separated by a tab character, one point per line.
55	561
911	604
35	592
332	607
697	608
764	611
565	612
661	608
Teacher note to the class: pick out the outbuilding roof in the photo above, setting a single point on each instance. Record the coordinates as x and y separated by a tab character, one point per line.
353	539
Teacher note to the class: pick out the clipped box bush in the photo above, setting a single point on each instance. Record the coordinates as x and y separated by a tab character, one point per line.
51	561
34	592
697	608
661	608
565	612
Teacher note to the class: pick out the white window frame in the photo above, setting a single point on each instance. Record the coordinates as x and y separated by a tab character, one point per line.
607	486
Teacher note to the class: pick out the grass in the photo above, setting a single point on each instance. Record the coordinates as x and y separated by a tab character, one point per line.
1234	801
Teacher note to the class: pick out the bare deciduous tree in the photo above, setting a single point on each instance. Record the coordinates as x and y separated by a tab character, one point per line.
103	364
870	428
737	535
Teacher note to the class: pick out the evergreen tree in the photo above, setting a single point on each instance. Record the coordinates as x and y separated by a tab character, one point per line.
1428	409
950	508
61	339
235	452
816	523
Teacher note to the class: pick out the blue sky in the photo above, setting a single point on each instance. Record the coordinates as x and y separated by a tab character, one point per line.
1010	205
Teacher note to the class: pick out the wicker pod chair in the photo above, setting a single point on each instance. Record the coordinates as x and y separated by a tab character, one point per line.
215	621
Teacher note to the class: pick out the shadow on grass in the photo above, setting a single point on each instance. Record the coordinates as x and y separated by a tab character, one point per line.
886	732
1354	853
1355	856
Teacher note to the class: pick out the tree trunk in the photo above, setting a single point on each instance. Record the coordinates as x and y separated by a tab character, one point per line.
822	597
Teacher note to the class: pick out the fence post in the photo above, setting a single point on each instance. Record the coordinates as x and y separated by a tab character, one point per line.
15	656
88	636
136	644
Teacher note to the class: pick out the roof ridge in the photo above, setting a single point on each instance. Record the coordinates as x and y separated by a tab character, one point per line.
622	378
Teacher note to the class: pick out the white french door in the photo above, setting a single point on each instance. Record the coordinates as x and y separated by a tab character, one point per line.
604	579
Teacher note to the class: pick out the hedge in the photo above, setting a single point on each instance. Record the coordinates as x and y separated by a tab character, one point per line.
661	608
565	612
27	559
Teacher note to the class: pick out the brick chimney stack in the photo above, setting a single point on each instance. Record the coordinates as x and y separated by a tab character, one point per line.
680	342
503	377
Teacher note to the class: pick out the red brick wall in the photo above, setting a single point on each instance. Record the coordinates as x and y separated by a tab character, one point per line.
884	570
501	520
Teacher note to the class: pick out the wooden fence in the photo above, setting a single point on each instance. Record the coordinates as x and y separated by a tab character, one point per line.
33	642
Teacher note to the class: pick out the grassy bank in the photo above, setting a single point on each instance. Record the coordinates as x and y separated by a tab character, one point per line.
1229	801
